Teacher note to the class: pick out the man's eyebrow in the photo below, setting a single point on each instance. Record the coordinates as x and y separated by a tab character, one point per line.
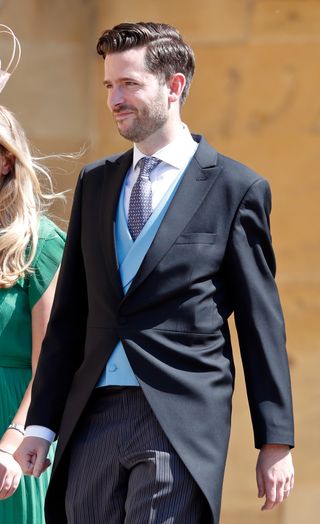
124	79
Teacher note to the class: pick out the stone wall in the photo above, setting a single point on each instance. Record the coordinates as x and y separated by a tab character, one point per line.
256	98
50	90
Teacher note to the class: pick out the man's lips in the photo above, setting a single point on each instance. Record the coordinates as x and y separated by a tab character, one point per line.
123	113
121	116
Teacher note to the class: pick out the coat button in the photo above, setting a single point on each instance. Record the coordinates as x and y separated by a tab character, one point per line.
112	368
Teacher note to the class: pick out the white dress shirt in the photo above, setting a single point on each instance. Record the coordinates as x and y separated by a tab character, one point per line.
174	159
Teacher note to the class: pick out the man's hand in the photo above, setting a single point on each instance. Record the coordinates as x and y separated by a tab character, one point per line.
275	474
32	455
10	474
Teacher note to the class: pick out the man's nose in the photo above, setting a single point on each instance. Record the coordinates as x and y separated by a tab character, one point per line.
115	98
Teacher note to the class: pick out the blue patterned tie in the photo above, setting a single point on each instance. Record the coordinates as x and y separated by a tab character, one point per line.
140	205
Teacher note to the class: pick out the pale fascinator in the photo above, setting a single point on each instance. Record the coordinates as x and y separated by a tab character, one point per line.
6	71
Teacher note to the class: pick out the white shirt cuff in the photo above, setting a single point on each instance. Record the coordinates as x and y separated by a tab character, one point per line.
40	431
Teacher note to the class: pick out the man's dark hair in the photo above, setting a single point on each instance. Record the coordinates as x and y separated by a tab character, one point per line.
166	52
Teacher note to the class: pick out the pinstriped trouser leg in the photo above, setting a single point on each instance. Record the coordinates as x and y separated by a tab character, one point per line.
123	469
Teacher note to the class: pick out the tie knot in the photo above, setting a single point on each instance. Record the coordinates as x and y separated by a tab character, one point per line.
147	164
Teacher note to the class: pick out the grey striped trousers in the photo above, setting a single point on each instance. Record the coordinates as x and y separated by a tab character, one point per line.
123	469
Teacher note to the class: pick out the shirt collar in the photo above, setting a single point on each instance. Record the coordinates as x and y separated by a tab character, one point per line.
175	153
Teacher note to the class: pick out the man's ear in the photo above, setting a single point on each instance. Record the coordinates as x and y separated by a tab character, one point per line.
176	86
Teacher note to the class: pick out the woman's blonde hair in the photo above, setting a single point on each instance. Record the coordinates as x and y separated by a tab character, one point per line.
25	192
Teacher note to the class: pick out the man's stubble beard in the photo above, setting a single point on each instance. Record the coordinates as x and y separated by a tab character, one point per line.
146	123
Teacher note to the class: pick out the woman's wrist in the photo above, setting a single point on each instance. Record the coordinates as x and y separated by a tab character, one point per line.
11	440
5	451
17	427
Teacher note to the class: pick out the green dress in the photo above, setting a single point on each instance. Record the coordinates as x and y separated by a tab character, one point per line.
16	303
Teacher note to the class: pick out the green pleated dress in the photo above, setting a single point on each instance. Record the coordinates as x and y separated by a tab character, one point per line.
16	303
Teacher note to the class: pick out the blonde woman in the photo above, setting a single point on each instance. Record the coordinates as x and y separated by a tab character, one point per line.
30	252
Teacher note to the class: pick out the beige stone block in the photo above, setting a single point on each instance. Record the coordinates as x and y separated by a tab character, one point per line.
42	21
210	21
300	295
49	91
305	381
303	505
246	516
245	90
19	16
289	20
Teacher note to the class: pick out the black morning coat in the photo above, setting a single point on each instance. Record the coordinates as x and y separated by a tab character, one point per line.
211	256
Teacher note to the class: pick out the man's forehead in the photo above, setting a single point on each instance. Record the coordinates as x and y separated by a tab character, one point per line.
128	57
126	63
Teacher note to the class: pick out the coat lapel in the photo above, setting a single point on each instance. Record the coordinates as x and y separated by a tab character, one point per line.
198	179
115	172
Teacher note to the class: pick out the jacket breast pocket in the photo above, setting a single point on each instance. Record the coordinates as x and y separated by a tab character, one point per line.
197	238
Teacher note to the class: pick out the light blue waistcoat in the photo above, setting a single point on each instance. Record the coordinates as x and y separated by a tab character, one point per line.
130	255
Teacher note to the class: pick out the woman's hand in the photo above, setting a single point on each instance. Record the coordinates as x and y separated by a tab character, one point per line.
10	475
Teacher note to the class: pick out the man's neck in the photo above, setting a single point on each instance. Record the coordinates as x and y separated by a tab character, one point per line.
159	139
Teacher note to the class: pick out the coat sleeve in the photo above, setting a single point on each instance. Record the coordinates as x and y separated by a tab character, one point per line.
63	345
259	320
